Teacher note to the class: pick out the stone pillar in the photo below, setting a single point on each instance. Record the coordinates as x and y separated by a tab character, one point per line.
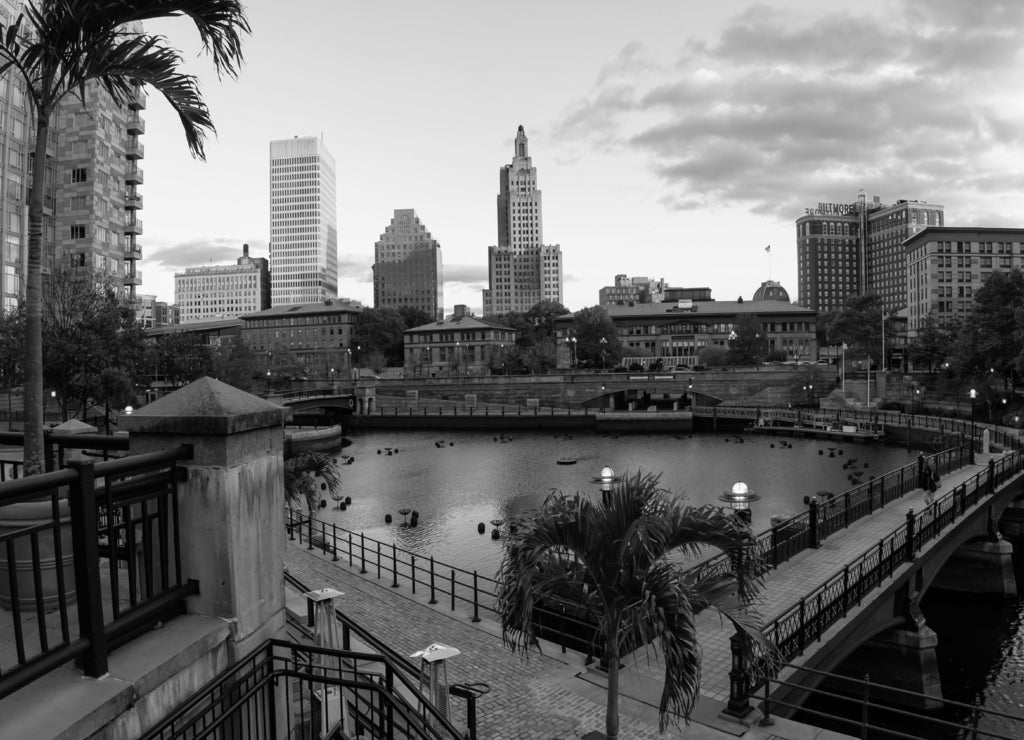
231	506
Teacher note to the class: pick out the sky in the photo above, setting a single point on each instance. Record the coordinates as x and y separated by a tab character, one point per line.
672	139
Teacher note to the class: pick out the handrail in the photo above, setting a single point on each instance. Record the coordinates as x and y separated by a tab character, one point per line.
94	518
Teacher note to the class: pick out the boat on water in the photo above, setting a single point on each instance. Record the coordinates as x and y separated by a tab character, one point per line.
566	461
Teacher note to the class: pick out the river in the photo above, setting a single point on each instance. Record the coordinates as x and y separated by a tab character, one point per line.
456	480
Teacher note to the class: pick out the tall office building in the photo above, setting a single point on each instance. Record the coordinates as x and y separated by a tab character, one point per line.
857	248
91	198
407	266
223	291
522	269
303	222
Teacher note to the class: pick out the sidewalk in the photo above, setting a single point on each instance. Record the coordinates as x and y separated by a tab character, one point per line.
554	696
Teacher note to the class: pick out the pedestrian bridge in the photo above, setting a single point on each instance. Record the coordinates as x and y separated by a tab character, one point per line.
851	572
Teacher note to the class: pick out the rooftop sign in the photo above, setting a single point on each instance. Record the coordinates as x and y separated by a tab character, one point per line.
831	209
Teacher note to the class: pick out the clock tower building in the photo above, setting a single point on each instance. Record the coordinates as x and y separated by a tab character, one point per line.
407	266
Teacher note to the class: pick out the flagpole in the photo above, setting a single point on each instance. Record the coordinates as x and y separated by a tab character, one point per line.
768	249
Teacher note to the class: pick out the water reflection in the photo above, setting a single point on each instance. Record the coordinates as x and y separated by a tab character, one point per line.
456	480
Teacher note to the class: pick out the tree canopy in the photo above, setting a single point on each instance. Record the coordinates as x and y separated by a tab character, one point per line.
597	344
859	326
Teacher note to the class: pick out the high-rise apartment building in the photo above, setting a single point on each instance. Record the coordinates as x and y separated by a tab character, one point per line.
91	199
947	266
223	291
303	222
407	266
522	269
857	248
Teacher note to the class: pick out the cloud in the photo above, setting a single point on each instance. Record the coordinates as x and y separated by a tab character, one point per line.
471	275
781	111
200	252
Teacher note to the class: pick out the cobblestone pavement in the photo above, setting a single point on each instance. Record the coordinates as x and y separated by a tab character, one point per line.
550	696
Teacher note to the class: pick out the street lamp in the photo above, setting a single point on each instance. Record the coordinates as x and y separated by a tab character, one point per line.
917	399
570	343
843	368
458	351
606	479
739	498
973	394
604	351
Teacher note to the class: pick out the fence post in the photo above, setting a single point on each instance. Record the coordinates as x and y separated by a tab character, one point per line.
334	541
910	536
739	679
378	561
453	589
394	566
85	546
991	476
433	596
362	552
291	524
812	521
350	554
476	600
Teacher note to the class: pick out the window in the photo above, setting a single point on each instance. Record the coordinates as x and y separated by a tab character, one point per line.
78	231
78	174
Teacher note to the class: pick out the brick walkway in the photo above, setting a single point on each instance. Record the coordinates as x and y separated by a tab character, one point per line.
554	696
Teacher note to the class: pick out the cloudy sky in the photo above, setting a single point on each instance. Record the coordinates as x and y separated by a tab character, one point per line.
672	139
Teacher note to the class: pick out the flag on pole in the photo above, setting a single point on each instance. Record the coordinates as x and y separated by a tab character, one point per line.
768	248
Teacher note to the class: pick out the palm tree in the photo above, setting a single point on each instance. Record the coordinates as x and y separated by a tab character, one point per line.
64	47
300	474
612	558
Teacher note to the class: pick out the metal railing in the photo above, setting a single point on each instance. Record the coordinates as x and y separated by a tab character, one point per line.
56	449
103	534
807	620
288	690
563	623
349	627
864	709
791	536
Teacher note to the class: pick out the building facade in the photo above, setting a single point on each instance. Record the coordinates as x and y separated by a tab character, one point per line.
857	248
947	265
153	313
458	345
223	291
522	270
407	267
627	290
91	200
303	222
679	333
314	339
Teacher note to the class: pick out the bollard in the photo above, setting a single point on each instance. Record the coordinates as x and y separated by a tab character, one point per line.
394	566
433	597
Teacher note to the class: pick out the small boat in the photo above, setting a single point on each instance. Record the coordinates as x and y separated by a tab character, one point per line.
566	461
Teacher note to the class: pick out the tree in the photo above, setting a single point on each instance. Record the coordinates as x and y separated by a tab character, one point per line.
413	317
378	334
590	326
612	557
982	350
12	339
750	346
300	474
932	345
92	343
859	326
179	357
71	47
235	364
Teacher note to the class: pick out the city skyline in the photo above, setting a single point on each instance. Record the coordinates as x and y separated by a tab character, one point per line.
675	143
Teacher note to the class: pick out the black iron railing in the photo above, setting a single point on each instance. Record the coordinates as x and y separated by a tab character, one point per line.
807	620
102	534
288	690
791	536
56	449
866	709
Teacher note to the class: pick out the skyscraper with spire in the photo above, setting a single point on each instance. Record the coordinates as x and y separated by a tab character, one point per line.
522	269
